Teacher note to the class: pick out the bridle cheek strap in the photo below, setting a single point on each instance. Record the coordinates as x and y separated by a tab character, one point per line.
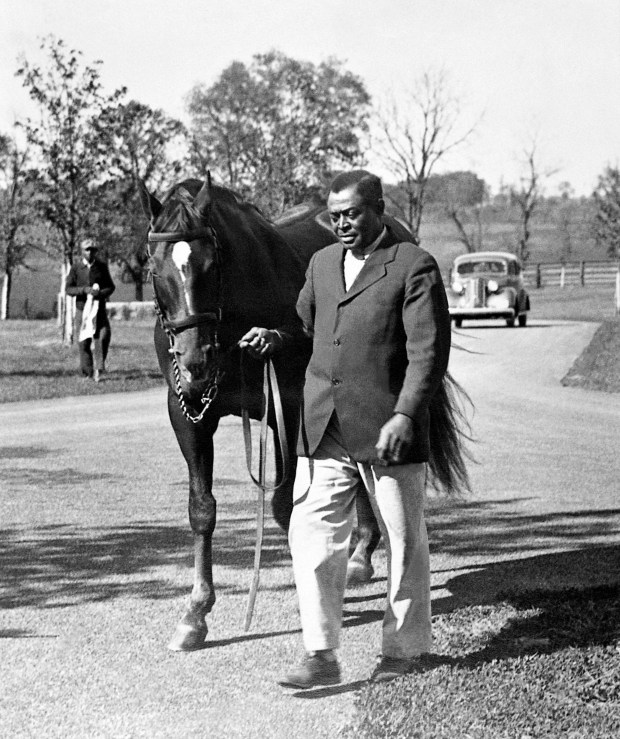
198	319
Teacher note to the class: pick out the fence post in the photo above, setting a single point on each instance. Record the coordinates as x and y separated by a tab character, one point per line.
582	273
617	294
538	276
562	275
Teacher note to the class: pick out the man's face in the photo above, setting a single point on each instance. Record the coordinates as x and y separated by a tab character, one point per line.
356	223
89	253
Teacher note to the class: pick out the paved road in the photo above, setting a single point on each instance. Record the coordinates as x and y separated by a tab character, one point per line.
96	549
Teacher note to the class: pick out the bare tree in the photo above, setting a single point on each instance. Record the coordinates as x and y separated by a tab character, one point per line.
414	132
462	196
527	196
472	239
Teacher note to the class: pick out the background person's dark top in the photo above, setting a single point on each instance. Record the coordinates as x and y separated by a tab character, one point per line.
80	278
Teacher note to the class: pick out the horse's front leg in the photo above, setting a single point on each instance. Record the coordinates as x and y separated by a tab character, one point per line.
196	442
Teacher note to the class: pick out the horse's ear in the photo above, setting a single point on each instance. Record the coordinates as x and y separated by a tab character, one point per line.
150	204
202	201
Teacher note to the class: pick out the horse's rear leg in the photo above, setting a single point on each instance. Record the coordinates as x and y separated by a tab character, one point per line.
282	501
366	539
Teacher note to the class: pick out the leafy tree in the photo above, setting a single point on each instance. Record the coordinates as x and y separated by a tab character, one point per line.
415	131
462	189
607	214
461	195
143	143
274	129
66	139
17	215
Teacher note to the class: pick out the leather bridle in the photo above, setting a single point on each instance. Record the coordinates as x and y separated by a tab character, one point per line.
196	319
174	327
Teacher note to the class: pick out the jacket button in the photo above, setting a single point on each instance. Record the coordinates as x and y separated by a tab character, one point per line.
336	342
335	381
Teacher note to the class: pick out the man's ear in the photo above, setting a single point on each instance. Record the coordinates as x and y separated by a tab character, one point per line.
381	206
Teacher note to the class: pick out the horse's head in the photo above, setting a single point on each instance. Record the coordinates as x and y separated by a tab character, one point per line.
184	258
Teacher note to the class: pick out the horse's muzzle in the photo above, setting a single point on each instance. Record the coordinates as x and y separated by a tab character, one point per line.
197	363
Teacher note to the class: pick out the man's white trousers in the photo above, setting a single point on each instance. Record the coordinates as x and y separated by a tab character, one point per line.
319	536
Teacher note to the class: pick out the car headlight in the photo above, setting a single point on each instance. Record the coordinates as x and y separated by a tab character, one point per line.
457	287
492	286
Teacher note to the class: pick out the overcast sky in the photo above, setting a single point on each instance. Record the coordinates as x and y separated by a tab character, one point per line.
544	68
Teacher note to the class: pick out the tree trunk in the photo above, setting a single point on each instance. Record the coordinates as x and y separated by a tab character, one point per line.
139	285
67	303
6	295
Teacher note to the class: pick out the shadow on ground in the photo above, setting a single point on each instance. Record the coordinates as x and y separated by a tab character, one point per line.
46	566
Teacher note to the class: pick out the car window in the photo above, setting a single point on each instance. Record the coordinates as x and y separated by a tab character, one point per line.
468	268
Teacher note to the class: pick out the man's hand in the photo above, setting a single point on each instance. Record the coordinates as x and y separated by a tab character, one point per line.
261	342
95	290
395	439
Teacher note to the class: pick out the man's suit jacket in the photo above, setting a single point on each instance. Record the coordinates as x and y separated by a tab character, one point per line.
380	348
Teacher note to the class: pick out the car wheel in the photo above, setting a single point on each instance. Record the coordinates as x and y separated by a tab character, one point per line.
510	322
458	322
522	319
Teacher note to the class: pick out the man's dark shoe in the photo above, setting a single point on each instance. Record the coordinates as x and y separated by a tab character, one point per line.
389	668
314	670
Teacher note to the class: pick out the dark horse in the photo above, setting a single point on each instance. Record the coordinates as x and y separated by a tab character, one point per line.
219	268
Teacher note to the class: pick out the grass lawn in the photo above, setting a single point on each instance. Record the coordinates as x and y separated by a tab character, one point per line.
34	364
536	664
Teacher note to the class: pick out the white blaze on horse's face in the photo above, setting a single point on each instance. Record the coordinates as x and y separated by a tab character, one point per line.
180	256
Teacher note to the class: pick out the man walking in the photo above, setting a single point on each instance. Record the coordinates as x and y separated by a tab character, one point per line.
91	277
377	311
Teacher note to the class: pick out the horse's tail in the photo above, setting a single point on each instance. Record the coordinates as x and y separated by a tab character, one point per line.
449	430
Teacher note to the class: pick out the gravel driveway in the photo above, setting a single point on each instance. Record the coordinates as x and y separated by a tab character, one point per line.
96	561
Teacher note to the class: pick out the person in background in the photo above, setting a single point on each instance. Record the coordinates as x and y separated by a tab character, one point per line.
377	311
91	276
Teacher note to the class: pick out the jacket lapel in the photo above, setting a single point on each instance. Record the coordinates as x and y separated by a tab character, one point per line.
335	276
374	269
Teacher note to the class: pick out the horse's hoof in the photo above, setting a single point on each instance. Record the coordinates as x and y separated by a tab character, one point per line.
188	638
359	573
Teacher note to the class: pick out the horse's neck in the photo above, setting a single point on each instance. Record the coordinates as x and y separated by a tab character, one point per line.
262	273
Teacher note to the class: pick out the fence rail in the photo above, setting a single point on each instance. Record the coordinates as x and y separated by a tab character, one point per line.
550	274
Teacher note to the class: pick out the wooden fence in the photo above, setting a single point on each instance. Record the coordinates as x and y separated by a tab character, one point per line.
557	274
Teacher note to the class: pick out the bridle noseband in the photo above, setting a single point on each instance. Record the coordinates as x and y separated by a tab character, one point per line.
174	327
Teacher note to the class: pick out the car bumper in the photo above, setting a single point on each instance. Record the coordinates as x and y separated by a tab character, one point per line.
482	313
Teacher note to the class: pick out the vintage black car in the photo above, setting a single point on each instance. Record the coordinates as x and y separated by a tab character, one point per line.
487	284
